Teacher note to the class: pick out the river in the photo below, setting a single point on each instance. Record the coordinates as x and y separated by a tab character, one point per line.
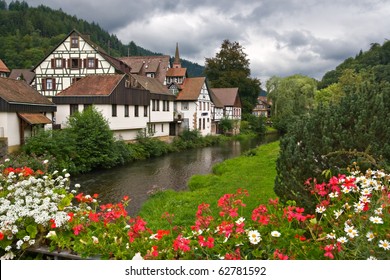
172	171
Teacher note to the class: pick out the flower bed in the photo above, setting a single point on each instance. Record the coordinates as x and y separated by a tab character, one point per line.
351	222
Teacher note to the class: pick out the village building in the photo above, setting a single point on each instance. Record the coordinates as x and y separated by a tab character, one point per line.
4	71
130	103
193	103
23	112
74	57
262	108
148	66
231	102
23	74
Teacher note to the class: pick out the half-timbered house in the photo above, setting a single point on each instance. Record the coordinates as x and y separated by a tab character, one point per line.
23	111
74	57
124	103
230	99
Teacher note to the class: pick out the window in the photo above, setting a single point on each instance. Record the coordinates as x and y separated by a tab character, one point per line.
153	105
164	105
162	127
48	84
145	111
126	111
74	108
136	111
184	105
168	105
157	105
58	63
74	41
75	63
150	75
204	123
114	113
200	124
90	63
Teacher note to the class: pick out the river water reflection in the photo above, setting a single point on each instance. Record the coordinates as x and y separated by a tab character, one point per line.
171	171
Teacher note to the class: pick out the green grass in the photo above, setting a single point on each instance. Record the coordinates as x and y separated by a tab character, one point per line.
254	173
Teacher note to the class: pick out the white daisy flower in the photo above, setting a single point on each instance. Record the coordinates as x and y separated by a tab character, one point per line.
275	233
384	244
254	237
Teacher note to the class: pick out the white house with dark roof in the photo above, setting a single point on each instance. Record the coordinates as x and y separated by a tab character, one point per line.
130	103
23	111
76	56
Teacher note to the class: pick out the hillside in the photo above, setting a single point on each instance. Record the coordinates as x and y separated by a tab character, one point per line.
376	59
27	34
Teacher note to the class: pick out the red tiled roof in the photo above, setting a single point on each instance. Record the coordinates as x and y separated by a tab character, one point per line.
176	72
14	91
93	85
227	96
3	67
191	88
35	118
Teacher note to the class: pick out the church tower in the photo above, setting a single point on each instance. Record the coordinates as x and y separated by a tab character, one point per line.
176	61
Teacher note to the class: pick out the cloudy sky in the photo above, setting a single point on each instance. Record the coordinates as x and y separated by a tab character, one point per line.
280	37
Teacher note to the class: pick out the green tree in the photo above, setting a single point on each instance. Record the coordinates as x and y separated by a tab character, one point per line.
226	125
94	140
230	68
291	97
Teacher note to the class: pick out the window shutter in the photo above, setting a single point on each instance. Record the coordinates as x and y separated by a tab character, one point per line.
96	63
53	63
63	63
43	84
54	83
85	63
80	63
69	62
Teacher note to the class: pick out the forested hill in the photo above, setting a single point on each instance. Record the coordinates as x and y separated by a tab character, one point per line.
28	34
376	59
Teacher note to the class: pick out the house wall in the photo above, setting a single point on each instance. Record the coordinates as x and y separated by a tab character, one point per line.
64	75
9	126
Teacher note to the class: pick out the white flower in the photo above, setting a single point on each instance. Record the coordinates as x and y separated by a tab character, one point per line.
320	209
376	220
275	233
137	257
352	232
384	244
338	213
77	186
95	240
254	236
371	258
333	195
240	221
370	236
331	235
45	161
342	240
378	211
6	160
7	256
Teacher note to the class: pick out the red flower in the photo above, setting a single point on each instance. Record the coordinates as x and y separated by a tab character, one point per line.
233	256
77	229
71	215
94	217
1	235
154	251
160	233
209	243
181	243
279	255
52	223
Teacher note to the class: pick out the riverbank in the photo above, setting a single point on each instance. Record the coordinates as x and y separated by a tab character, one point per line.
255	172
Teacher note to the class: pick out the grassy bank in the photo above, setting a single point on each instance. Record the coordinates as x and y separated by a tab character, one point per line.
254	172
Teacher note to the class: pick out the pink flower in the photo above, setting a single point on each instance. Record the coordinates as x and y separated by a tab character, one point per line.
181	243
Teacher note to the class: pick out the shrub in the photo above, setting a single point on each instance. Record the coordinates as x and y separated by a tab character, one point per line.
351	222
355	130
